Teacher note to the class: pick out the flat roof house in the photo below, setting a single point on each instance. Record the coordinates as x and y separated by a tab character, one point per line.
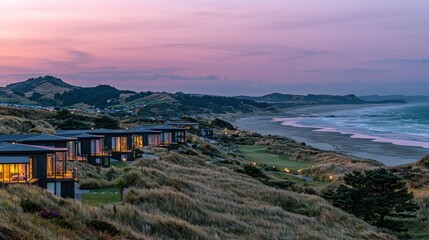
116	142
44	166
91	147
177	124
171	135
46	140
56	142
143	136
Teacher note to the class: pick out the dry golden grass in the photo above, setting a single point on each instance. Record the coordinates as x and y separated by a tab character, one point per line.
13	121
182	197
206	201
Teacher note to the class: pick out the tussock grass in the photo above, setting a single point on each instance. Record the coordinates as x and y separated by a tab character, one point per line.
222	204
14	120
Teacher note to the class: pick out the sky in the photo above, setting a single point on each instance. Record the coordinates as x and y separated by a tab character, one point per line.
222	47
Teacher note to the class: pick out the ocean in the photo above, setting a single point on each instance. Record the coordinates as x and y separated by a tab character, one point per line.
399	124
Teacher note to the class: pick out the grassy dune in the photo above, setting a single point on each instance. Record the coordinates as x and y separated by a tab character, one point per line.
196	200
182	197
15	120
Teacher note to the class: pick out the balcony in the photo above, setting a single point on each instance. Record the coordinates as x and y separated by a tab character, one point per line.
106	153
69	174
82	158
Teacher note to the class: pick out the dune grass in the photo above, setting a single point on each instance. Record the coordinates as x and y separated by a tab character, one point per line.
182	197
100	197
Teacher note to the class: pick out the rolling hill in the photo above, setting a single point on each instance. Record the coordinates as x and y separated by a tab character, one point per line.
291	99
52	91
39	90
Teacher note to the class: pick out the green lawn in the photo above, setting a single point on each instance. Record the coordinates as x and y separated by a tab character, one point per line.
118	164
257	154
102	196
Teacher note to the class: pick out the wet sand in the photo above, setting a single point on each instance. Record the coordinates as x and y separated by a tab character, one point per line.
386	153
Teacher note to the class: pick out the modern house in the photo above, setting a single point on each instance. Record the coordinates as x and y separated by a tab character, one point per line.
91	148
116	143
207	132
186	125
39	165
98	145
55	142
143	136
46	140
171	136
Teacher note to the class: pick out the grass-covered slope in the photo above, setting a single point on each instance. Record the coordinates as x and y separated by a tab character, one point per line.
14	120
185	197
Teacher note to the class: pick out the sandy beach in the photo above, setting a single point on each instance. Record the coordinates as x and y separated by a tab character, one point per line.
387	153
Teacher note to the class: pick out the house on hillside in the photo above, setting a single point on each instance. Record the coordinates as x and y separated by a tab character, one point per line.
91	148
171	136
207	132
46	140
98	145
39	165
116	143
143	136
186	125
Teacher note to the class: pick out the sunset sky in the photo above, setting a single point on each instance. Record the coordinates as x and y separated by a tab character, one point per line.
221	47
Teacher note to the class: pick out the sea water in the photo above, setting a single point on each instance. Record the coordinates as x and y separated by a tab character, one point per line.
401	124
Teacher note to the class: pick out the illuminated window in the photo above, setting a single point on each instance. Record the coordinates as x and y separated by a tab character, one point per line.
50	165
138	141
119	144
55	165
16	172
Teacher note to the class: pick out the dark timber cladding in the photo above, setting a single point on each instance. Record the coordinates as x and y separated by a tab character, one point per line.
44	166
53	141
118	141
171	135
92	148
143	136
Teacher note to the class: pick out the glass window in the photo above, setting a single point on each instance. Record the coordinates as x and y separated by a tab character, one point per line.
30	169
56	165
154	139
71	150
119	144
138	141
166	138
79	148
60	164
15	172
50	165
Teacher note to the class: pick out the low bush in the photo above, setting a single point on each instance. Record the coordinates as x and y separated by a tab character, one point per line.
253	171
103	226
29	206
50	214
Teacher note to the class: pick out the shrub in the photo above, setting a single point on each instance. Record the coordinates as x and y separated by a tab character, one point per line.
253	171
64	223
50	214
102	226
29	206
8	234
111	174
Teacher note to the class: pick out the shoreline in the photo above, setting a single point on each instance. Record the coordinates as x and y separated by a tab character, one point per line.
387	153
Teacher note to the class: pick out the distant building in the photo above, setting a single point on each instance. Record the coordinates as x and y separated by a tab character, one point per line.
207	132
